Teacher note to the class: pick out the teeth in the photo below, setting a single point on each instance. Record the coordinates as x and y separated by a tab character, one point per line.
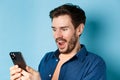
60	41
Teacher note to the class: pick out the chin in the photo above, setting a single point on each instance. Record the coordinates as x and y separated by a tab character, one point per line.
62	50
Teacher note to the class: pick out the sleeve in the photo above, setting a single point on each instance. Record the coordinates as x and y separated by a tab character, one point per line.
42	63
97	71
41	66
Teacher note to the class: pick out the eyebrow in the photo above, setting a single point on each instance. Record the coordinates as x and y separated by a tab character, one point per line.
60	27
52	27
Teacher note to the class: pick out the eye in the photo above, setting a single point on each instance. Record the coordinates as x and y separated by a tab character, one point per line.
64	29
54	29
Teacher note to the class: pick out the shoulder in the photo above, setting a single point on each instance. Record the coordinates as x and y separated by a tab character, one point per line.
48	56
45	59
89	56
95	62
95	65
94	57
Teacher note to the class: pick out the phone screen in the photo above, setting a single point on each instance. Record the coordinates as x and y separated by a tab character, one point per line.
18	59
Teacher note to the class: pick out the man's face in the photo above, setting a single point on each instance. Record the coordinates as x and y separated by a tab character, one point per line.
64	33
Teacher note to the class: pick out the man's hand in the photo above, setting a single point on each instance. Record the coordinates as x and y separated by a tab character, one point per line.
30	74
17	73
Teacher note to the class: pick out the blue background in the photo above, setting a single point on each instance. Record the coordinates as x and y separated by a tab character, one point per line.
25	26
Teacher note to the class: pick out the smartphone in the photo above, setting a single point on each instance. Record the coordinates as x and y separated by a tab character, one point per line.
18	59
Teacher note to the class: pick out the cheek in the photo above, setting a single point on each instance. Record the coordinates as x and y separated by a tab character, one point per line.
68	36
54	35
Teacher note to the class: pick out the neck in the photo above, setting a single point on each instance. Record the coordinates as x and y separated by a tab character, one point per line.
76	49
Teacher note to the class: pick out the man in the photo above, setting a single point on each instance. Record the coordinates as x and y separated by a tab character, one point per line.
71	61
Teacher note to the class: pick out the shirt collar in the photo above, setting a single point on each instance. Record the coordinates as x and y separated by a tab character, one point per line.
81	54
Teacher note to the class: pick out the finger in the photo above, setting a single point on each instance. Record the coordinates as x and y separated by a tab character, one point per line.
18	79
13	72
31	74
15	69
24	78
15	77
25	74
32	71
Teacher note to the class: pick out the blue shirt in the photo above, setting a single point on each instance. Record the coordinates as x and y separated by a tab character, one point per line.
83	66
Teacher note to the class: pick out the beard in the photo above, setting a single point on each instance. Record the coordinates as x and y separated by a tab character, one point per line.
70	46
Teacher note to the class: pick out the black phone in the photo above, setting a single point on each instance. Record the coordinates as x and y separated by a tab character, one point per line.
18	59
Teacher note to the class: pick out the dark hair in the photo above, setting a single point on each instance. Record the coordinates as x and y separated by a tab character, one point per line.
74	11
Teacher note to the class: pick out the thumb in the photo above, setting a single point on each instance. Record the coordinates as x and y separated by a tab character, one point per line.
33	72
30	70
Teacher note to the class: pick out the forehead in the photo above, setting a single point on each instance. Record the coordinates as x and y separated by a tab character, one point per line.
63	20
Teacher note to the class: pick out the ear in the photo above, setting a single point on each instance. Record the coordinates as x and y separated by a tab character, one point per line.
80	29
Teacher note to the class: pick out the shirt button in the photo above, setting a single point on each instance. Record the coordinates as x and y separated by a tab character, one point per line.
50	75
56	60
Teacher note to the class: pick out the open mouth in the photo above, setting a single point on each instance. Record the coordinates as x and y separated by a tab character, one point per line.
61	43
